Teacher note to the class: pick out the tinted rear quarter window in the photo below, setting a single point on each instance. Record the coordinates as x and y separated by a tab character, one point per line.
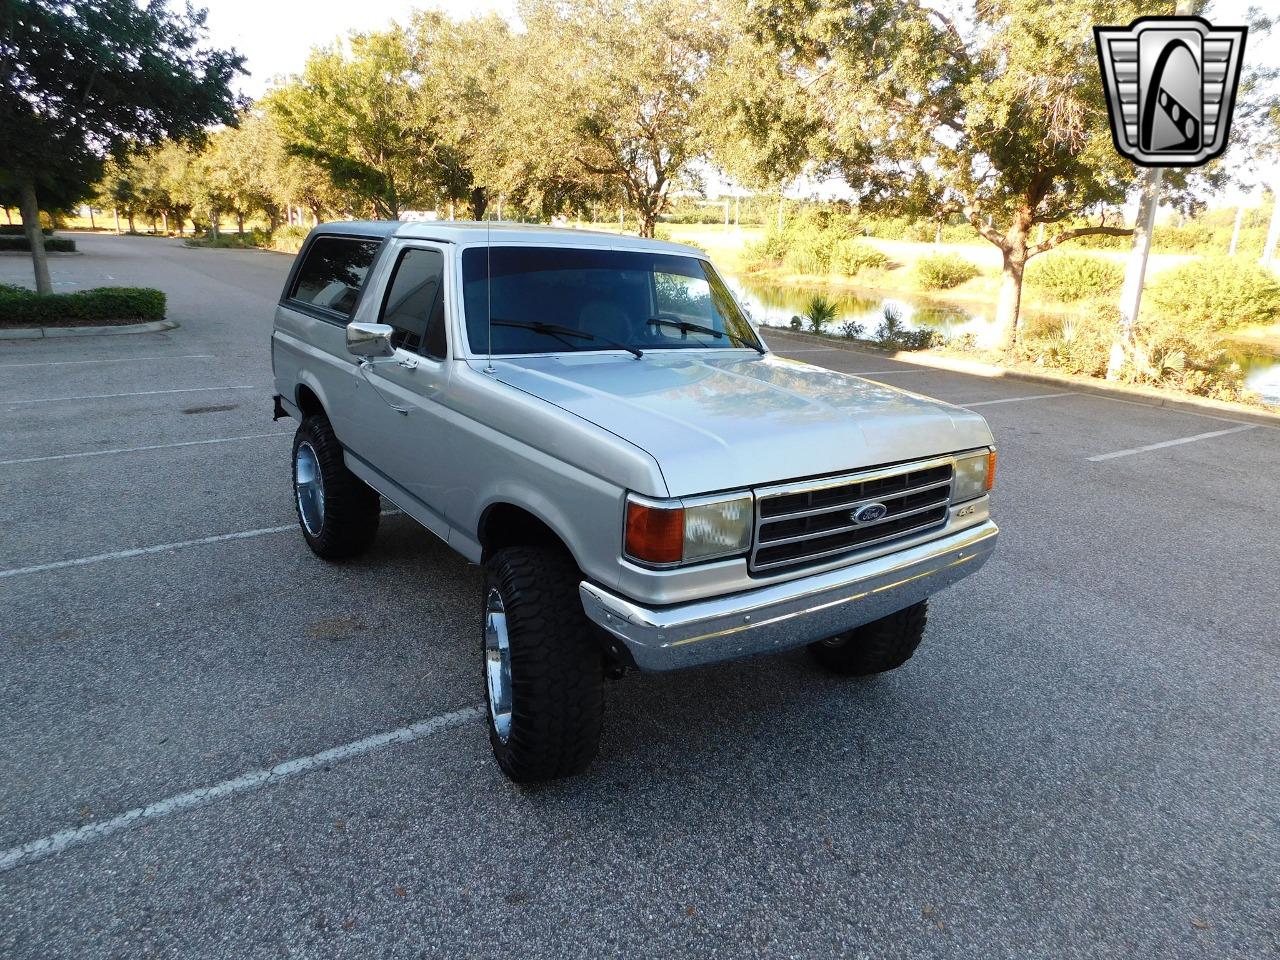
332	273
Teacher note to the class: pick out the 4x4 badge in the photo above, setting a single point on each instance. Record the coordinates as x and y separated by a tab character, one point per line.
1171	86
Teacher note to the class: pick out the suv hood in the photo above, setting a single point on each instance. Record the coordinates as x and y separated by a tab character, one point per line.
722	422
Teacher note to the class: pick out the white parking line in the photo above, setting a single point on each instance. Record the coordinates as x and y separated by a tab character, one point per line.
1038	396
144	551
64	363
150	446
1170	443
55	843
140	393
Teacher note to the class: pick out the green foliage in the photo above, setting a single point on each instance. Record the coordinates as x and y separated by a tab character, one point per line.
52	244
852	330
20	307
820	311
893	334
18	230
1073	276
1079	345
82	81
1214	294
851	257
796	323
943	271
817	242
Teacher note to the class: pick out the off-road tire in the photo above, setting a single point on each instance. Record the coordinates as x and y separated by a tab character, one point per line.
351	507
878	646
556	665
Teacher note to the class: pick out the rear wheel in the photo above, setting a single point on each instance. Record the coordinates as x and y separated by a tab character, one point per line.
881	645
543	668
338	512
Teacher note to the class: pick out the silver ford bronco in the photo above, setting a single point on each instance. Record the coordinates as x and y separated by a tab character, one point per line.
596	421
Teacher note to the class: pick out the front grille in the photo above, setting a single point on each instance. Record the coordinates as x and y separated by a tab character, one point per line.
805	523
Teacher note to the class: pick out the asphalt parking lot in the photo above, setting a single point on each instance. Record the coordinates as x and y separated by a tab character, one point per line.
1080	761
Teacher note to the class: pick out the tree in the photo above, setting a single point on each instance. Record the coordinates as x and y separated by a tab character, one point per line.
996	114
616	88
355	115
83	79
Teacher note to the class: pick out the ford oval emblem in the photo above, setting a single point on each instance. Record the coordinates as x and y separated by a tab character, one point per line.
870	513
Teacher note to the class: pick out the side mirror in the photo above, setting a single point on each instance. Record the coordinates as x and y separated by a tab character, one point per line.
370	340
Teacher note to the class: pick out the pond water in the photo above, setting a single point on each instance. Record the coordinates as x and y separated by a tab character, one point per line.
775	304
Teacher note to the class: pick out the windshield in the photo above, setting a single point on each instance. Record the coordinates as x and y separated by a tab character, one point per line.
598	300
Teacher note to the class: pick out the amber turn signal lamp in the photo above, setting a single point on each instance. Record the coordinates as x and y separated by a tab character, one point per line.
654	534
991	470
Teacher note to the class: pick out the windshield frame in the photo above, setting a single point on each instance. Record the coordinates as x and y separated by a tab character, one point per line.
555	349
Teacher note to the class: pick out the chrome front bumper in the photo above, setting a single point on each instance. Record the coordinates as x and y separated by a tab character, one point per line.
788	614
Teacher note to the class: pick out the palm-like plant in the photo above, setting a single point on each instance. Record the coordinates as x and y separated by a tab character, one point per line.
820	311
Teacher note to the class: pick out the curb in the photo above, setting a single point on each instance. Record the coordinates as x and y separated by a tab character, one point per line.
39	333
1115	391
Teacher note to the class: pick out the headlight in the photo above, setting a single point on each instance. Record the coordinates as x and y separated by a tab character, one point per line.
670	532
975	475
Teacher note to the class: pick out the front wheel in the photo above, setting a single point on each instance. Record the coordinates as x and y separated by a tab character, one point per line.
543	668
338	512
881	645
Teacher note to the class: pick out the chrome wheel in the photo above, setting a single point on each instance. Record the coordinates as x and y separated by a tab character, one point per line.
497	663
309	485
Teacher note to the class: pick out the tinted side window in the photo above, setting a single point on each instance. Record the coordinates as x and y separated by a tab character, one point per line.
415	303
333	272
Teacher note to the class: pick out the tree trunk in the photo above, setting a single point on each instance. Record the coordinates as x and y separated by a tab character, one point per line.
239	223
647	220
479	202
30	209
115	212
164	217
1009	306
1273	231
92	225
132	227
1235	231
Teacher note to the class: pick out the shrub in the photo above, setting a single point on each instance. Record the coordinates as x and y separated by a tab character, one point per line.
852	330
9	242
808	252
851	257
20	307
1080	345
1215	293
943	271
18	230
1074	276
819	311
796	323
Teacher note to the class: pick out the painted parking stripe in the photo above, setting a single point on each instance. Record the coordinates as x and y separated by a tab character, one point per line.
1171	443
160	548
67	363
55	843
1037	396
150	446
144	551
139	393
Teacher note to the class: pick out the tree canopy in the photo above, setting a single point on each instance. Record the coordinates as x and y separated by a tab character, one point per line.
82	80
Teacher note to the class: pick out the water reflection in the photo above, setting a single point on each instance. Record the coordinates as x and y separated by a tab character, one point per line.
775	304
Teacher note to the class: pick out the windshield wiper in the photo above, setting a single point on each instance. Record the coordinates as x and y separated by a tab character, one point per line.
563	334
685	326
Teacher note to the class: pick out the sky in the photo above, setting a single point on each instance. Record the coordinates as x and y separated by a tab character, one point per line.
276	35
